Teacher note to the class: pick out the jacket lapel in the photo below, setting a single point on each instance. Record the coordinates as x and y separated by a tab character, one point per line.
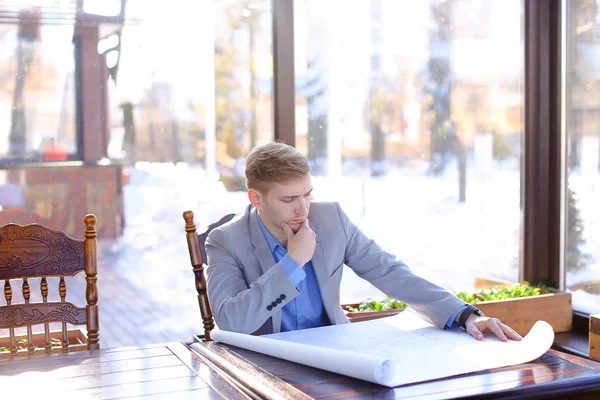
260	248
263	254
319	263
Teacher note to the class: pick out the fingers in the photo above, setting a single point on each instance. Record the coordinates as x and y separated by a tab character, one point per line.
510	332
493	325
473	331
502	331
288	231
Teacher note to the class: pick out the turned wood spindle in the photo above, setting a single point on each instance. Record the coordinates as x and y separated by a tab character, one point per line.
11	330
7	292
198	269
44	290
91	291
27	297
62	292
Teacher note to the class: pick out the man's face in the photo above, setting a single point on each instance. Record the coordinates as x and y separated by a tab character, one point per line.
285	203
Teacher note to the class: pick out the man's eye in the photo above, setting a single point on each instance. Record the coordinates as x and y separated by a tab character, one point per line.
287	200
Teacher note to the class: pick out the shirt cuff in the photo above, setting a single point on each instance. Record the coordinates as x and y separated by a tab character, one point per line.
293	270
452	323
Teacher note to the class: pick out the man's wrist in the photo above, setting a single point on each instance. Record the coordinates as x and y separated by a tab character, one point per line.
296	260
466	313
293	271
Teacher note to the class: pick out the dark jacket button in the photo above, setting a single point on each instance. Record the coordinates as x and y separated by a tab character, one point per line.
274	304
278	301
269	308
282	297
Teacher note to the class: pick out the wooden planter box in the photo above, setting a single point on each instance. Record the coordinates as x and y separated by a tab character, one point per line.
519	313
77	341
367	315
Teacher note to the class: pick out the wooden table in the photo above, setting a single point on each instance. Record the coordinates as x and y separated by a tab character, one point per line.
216	371
554	375
168	370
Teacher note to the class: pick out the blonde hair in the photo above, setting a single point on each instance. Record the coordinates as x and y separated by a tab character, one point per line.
274	162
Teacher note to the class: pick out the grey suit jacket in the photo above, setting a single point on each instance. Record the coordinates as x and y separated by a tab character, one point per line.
247	289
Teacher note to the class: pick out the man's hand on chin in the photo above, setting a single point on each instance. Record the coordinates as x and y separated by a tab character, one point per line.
300	245
477	324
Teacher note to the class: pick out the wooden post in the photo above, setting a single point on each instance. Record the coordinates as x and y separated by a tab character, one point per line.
284	90
91	292
198	268
541	177
595	337
91	95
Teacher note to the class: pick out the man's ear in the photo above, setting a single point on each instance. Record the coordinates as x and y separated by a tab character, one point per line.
255	198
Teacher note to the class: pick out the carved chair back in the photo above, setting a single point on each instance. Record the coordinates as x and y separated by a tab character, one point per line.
35	251
198	259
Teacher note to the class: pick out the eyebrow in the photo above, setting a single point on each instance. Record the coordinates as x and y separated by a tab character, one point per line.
293	197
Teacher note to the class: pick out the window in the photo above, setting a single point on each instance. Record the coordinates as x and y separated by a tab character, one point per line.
411	116
37	93
582	249
192	86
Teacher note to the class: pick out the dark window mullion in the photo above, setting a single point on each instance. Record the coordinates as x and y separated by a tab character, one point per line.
542	143
284	95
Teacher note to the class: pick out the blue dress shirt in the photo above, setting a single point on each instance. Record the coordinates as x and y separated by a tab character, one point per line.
452	324
305	310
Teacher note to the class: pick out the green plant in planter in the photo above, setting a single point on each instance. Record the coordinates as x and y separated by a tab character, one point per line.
505	292
389	303
496	293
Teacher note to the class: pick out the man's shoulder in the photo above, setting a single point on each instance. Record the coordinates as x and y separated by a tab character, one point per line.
324	207
238	222
325	212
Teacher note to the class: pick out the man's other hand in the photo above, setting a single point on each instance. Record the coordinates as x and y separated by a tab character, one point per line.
301	245
476	324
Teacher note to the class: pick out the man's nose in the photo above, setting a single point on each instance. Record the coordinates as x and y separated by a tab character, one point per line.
303	206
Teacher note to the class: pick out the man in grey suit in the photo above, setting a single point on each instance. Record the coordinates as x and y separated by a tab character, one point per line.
278	266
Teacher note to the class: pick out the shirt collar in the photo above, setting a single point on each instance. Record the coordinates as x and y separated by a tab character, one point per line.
270	239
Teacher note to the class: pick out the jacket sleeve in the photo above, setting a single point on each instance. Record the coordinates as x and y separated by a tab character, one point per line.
393	277
237	305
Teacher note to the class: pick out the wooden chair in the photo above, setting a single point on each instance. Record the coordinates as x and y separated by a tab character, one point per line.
35	251
198	257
